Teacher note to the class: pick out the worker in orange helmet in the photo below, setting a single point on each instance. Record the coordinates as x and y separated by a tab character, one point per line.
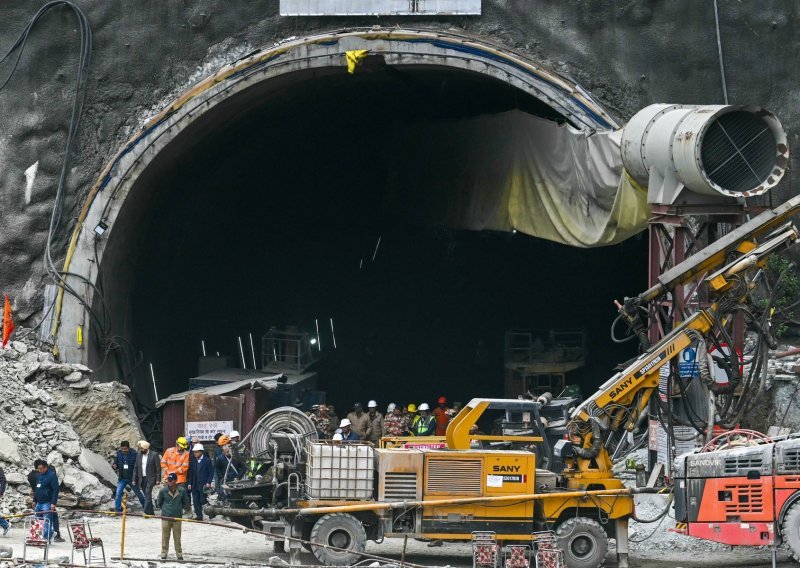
442	414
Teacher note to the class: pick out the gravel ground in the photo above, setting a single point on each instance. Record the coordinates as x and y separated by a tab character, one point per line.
202	543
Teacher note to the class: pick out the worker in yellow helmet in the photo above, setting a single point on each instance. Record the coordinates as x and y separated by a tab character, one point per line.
410	416
176	460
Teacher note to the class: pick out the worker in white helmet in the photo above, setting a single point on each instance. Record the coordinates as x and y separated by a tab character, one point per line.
425	424
348	435
375	426
234	436
201	475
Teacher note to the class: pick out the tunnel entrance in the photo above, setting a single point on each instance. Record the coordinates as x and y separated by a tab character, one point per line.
278	207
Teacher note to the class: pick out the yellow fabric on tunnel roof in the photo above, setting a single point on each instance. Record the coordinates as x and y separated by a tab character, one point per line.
516	170
353	57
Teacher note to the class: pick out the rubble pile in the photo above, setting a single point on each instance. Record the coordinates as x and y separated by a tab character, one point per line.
40	397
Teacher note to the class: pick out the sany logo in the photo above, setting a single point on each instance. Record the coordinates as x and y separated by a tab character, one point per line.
499	468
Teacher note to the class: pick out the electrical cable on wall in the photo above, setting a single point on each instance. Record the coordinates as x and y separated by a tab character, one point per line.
128	359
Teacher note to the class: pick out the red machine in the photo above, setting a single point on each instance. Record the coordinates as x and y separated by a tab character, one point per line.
745	494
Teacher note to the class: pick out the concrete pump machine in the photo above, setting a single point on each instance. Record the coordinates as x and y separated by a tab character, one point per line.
333	497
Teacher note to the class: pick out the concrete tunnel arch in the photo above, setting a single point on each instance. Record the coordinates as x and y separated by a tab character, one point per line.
117	183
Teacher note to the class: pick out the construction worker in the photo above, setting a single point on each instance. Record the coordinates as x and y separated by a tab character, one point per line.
200	477
348	434
410	414
442	416
425	425
4	524
395	422
125	464
228	468
325	425
332	415
173	501
45	495
176	460
375	426
359	421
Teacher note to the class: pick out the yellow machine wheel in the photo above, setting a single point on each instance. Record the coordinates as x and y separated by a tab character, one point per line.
583	541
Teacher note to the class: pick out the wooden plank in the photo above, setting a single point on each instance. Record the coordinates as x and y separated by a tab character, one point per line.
655	474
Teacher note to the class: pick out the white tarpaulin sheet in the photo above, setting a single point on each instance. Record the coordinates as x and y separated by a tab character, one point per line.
515	170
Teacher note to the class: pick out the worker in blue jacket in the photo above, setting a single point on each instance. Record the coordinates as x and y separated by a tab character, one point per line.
199	479
45	495
125	464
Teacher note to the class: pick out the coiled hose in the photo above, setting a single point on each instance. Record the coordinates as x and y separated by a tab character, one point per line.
286	421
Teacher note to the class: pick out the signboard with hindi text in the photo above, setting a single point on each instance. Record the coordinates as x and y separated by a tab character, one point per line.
204	431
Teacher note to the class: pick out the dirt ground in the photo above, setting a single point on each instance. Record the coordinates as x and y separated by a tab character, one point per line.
203	543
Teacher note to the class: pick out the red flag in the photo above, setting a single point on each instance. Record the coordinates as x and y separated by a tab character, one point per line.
8	322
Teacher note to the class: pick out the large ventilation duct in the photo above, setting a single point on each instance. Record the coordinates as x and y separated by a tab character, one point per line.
716	150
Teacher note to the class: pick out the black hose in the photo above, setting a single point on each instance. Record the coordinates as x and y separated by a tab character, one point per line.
593	451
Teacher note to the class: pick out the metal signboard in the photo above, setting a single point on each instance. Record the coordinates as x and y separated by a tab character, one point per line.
687	364
380	7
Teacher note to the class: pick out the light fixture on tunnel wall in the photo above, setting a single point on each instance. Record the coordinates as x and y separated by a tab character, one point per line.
101	228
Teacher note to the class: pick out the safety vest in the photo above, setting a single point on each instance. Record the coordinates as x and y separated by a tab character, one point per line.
424	426
174	462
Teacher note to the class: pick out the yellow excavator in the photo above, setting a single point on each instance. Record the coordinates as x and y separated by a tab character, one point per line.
333	497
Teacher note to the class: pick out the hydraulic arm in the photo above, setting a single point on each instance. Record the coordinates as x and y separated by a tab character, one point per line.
730	266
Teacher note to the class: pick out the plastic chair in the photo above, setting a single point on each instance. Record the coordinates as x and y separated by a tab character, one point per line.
548	555
485	549
517	556
80	534
35	531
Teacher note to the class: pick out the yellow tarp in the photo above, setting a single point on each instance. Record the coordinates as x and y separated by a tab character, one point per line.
514	170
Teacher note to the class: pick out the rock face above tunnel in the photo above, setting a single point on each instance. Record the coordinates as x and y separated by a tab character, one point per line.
144	55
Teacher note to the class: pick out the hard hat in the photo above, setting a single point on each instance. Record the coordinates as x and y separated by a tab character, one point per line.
372	404
198	448
344	422
337	438
391	407
442	400
424	406
223	440
234	434
182	442
412	407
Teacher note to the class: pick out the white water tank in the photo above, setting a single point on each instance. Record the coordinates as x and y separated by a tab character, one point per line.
340	471
715	150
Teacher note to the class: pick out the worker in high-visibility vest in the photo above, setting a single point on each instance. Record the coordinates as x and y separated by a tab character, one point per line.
176	460
424	424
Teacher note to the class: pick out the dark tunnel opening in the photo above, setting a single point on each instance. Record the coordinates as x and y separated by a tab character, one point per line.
267	212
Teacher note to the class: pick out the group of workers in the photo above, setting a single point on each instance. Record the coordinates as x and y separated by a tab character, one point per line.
190	477
371	426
